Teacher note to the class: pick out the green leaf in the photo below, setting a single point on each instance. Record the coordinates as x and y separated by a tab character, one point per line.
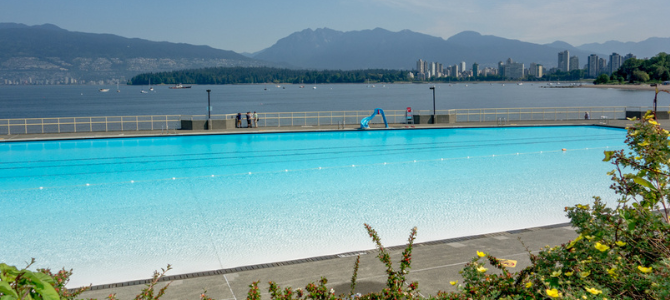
608	155
7	290
43	288
643	182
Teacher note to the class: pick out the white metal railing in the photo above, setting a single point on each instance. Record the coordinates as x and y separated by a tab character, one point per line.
308	119
88	124
315	118
538	113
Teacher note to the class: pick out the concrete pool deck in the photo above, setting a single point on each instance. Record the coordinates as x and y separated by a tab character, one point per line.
434	264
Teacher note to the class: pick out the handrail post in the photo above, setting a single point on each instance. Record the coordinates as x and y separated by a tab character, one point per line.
42	125
90	123
25	122
137	124
106	126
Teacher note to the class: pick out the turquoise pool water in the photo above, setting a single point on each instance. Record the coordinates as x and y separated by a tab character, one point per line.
117	209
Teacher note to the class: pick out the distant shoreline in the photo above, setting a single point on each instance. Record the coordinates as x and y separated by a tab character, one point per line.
643	87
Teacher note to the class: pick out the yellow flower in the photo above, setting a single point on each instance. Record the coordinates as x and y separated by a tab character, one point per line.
568	274
612	271
556	273
481	254
593	291
652	122
620	243
643	269
634	133
632	119
643	144
553	293
453	282
584	297
589	237
584	274
482	269
529	284
572	244
601	247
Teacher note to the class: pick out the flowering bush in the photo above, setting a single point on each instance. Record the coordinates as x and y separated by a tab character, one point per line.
622	252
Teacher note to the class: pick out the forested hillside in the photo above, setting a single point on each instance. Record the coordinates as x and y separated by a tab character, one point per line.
240	75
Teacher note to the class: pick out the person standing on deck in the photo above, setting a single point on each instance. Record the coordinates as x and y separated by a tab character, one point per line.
248	119
255	119
239	120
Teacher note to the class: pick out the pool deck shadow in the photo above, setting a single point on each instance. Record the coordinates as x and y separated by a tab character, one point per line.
434	265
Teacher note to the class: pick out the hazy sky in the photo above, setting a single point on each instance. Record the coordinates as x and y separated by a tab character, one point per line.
252	25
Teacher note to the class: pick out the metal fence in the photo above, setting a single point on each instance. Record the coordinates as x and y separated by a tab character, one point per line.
538	114
304	119
315	118
88	124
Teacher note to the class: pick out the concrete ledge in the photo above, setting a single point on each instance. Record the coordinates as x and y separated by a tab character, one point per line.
440	119
202	124
660	115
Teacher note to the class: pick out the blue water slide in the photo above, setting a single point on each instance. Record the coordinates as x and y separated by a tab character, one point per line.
366	120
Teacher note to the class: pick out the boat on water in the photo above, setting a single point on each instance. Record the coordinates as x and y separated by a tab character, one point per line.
143	92
151	88
179	86
104	90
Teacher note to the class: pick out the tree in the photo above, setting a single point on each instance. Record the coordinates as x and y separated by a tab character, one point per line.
602	79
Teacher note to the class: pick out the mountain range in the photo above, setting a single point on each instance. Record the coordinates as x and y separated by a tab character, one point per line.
49	52
379	48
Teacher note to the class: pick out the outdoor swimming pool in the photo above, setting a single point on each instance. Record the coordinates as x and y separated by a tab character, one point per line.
117	209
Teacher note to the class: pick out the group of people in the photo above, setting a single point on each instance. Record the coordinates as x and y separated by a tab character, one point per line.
252	120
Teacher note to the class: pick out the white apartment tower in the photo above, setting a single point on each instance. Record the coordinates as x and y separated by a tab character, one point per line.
574	63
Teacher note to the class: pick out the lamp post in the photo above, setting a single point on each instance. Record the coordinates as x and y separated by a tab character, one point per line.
209	110
433	88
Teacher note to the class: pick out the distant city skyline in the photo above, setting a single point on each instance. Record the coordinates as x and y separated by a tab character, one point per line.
250	26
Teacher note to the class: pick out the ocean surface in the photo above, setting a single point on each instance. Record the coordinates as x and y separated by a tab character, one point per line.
85	100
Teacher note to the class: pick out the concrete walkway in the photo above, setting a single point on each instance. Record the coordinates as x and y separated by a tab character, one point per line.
434	264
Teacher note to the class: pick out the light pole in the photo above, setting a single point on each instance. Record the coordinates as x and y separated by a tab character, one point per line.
209	110
433	88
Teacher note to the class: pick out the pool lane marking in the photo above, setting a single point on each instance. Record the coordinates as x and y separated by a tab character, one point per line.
299	170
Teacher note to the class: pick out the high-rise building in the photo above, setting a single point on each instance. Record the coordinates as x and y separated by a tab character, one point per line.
462	67
574	63
616	61
564	61
628	56
513	70
602	66
419	67
455	71
535	70
592	66
475	69
501	69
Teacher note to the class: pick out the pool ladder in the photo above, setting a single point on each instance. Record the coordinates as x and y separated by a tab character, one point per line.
502	121
166	130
